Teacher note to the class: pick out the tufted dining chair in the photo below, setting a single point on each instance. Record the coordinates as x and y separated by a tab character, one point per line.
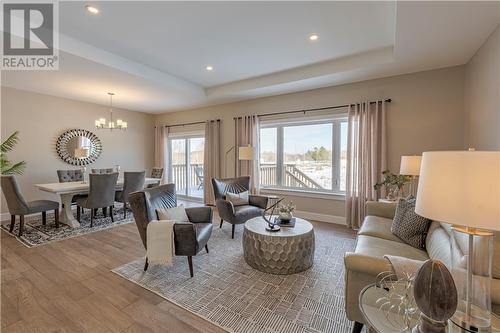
66	176
103	171
17	205
132	182
156	173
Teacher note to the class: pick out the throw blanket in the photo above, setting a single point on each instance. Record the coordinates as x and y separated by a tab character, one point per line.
160	242
402	265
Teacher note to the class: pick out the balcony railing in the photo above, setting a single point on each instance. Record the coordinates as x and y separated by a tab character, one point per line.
293	177
195	176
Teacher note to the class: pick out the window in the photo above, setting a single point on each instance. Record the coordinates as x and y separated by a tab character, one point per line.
304	155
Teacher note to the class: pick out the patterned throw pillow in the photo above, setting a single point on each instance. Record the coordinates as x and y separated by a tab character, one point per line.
410	227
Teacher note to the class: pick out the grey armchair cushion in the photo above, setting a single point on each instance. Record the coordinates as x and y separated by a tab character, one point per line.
101	191
16	203
189	238
239	214
66	176
132	182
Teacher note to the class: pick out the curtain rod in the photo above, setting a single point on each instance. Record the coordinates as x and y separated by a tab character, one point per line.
193	123
309	110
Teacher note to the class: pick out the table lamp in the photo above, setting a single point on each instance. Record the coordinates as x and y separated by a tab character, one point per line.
462	188
410	166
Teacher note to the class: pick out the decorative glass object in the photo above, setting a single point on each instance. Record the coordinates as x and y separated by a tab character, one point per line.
474	290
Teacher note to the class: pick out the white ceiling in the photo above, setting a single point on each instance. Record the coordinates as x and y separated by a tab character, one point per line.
153	54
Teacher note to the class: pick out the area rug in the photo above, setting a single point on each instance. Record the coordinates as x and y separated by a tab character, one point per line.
232	295
35	233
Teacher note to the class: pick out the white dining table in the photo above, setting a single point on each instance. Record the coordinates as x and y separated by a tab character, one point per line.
67	190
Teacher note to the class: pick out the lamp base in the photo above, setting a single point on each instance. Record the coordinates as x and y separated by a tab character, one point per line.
471	324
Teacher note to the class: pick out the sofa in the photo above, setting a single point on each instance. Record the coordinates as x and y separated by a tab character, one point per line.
376	240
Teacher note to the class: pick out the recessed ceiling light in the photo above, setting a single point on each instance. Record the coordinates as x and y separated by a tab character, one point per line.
209	68
313	37
92	10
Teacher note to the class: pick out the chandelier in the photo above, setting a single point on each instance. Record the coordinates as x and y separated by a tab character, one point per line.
111	125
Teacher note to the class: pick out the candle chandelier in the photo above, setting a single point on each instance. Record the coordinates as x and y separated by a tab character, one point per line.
111	125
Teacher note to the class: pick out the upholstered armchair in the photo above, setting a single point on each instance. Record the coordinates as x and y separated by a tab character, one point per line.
189	238
236	214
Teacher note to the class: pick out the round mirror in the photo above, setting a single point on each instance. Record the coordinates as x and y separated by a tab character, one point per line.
78	147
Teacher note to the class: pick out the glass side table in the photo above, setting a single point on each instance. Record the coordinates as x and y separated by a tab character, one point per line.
380	321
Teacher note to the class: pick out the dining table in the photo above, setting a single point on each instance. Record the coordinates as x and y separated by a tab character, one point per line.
67	190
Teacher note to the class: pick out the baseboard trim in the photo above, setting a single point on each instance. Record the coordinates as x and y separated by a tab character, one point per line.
321	217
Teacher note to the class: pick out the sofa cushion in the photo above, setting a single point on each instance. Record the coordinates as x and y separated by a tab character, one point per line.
378	227
378	247
408	225
438	244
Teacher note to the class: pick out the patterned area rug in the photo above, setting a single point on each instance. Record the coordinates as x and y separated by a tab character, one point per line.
229	293
36	234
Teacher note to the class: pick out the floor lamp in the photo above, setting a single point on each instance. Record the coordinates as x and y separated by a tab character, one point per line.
410	166
463	188
245	153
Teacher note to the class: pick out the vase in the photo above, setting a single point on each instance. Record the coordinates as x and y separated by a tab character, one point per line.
285	216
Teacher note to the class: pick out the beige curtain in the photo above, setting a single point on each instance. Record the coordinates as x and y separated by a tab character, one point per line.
247	133
211	159
366	157
161	154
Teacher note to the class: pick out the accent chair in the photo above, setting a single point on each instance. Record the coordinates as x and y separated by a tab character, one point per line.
189	237
17	205
236	214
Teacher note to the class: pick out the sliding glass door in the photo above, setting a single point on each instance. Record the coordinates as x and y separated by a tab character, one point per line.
186	165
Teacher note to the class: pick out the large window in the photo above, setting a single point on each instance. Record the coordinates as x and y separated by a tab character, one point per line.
304	155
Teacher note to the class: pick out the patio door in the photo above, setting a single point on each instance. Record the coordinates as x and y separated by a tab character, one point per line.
186	165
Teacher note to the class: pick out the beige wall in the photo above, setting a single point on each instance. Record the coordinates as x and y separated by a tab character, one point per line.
482	96
426	114
41	118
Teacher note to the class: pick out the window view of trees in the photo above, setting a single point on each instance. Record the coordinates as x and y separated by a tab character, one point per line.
304	155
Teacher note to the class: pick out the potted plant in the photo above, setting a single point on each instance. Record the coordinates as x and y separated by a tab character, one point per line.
393	183
6	167
286	211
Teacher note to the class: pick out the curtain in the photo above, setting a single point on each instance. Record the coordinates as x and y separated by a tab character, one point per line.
211	159
366	157
161	154
247	133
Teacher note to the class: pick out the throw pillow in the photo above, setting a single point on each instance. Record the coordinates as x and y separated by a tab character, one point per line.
237	199
176	213
410	227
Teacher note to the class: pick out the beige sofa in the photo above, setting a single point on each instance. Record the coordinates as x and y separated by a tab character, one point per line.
376	240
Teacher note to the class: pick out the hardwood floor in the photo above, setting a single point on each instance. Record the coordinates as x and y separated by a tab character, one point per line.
67	286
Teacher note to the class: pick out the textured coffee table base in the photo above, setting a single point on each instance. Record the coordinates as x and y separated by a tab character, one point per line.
279	255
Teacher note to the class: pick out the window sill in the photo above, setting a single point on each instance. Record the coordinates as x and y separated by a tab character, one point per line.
304	193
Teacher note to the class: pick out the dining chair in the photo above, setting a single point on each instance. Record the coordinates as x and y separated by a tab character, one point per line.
17	205
156	173
132	182
101	171
71	175
102	189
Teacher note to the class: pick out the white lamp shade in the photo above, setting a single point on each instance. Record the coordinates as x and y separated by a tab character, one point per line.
461	188
246	153
410	165
82	152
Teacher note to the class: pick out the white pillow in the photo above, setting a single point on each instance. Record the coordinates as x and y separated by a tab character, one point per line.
177	214
237	199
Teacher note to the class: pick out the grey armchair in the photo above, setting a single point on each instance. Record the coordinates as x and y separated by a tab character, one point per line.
133	181
238	214
102	189
189	238
101	171
19	206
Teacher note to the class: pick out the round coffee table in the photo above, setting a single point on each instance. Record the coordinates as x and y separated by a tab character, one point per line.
288	251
